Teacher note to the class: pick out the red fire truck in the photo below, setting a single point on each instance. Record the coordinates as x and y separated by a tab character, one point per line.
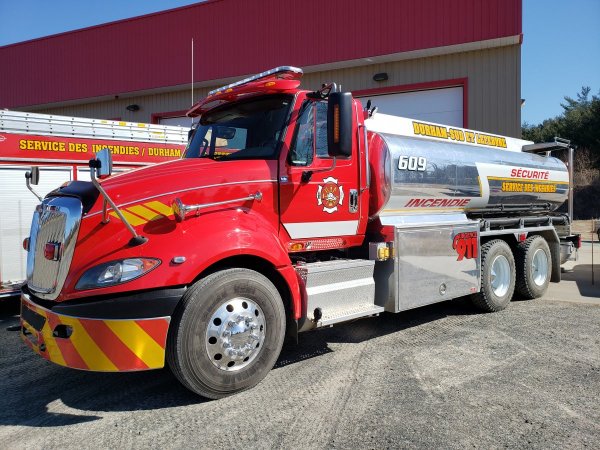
289	211
61	147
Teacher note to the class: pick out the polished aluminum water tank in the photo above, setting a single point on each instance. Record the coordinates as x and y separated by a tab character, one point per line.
418	173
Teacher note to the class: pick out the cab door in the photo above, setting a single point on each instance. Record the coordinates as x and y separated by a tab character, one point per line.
318	195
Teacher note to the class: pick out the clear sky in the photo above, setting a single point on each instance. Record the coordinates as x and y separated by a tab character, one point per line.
560	53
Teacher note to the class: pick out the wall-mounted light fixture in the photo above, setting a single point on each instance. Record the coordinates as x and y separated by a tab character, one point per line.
382	76
132	108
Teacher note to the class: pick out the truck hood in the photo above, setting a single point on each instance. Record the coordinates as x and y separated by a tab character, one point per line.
183	175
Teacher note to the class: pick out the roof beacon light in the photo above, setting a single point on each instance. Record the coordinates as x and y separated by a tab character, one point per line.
280	73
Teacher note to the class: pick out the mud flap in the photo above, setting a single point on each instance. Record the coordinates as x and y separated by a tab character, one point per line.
555	253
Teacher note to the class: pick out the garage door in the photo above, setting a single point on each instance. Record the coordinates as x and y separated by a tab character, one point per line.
443	106
17	205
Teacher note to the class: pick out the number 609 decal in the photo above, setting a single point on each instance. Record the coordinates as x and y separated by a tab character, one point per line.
418	163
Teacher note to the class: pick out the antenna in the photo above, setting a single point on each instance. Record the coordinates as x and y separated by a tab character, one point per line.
192	124
192	71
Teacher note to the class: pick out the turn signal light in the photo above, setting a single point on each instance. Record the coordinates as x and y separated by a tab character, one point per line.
296	246
336	124
26	244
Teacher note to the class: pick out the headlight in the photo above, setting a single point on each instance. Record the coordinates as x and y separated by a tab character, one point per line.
116	272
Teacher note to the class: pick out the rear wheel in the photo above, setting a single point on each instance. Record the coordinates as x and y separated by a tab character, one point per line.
534	266
227	333
497	277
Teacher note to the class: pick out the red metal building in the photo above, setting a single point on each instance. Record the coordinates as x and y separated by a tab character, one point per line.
455	62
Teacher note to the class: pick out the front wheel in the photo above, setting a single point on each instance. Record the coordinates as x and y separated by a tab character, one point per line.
497	277
227	333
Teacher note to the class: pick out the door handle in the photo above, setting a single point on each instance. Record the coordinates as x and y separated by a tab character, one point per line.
353	203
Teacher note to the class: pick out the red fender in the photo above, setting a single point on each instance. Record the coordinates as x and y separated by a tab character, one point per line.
202	240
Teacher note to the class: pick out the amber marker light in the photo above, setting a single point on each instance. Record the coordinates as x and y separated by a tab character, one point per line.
269	83
336	123
296	246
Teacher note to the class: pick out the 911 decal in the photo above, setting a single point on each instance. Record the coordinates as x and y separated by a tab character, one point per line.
415	163
466	245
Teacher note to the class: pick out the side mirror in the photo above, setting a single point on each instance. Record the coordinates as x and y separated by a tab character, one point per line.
339	124
33	175
225	133
103	163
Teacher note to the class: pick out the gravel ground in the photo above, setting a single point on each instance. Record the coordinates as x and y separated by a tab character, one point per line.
441	376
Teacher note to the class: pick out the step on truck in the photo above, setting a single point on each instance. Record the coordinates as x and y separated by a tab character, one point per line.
290	210
60	147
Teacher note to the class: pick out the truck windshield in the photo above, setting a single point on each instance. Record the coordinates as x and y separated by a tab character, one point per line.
250	129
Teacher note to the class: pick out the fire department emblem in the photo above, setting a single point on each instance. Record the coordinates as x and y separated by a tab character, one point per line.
330	195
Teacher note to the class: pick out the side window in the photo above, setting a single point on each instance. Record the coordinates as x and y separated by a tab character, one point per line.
311	134
321	130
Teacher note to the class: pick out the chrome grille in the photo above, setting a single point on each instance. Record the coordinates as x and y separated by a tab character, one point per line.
55	221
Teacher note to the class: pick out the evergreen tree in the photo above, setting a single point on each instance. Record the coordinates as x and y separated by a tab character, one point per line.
580	123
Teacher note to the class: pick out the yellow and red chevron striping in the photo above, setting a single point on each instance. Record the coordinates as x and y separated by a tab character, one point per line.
145	212
96	344
156	329
118	353
65	348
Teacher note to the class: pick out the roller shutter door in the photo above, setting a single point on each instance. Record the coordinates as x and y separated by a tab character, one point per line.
17	205
444	105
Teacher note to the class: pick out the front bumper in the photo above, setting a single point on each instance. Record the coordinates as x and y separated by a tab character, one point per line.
104	345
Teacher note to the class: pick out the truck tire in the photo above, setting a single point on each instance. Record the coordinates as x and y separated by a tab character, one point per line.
534	267
227	333
497	277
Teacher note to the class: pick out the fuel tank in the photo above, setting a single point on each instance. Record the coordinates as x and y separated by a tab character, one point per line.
418	166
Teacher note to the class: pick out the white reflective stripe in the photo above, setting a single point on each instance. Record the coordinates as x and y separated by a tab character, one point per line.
302	230
339	286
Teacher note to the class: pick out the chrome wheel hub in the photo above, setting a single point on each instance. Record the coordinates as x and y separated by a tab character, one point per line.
500	275
235	334
539	267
